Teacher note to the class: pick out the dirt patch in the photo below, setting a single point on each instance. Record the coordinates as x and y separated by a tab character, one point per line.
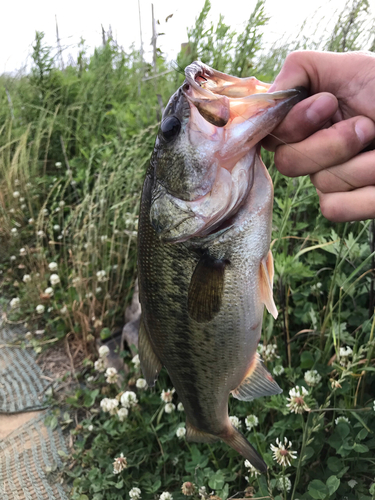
63	358
9	423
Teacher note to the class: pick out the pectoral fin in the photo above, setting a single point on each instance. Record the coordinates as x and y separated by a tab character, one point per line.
257	382
206	289
150	363
265	284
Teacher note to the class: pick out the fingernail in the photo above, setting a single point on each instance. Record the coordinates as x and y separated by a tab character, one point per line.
365	129
322	108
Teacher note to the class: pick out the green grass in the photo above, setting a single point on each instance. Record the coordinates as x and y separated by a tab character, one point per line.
75	145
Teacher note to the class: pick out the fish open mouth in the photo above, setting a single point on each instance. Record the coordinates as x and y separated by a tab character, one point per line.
228	118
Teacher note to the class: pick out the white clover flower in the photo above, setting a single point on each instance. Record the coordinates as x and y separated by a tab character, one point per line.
342	419
45	211
112	375
40	234
282	453
119	464
62	203
181	432
167	395
40	308
28	335
23	206
346	351
56	227
278	370
54	279
252	470
50	309
16	182
103	238
169	408
202	492
312	378
68	172
251	421
103	351
141	383
90	378
73	183
180	407
109	405
235	421
135	494
296	400
49	291
31	221
14	231
98	289
13	258
268	352
136	362
14	303
283	483
26	278
23	251
16	194
22	199
12	211
90	428
373	406
122	414
101	275
188	489
64	310
129	399
99	365
166	496
345	354
58	164
29	185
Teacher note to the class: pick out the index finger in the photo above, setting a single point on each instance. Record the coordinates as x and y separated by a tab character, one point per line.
304	119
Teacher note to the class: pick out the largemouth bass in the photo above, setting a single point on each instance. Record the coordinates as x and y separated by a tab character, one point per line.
205	266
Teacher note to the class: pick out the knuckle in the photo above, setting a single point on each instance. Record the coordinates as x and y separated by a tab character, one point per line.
342	141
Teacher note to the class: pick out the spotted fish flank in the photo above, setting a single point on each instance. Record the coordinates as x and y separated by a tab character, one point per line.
205	268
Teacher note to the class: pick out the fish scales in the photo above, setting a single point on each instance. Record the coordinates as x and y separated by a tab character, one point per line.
204	277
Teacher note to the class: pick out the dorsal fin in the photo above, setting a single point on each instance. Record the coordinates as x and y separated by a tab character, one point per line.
206	289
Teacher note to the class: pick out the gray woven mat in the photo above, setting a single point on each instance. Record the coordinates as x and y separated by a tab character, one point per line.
21	383
29	463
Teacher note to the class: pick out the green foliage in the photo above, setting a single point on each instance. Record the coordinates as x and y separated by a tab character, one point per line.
74	147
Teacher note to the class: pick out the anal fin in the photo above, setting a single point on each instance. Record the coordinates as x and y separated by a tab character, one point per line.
150	363
257	382
266	273
196	436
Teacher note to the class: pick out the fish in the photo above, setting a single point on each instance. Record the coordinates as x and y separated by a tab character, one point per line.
205	268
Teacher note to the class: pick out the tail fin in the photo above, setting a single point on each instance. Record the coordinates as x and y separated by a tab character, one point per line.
236	440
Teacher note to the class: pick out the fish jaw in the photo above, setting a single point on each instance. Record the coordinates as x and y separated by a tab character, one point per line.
229	166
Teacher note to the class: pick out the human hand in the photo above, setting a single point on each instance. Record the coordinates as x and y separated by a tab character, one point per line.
327	132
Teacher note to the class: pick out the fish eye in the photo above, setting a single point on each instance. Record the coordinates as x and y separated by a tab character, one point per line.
170	128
